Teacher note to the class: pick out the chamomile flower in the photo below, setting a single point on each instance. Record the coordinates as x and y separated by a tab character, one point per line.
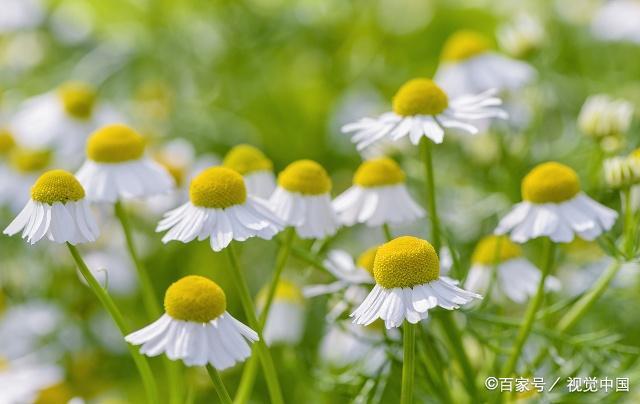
353	278
116	167
408	285
422	108
516	277
23	166
554	206
522	35
617	20
302	200
196	327
58	210
285	322
603	117
61	119
379	196
22	381
469	66
219	209
255	167
620	172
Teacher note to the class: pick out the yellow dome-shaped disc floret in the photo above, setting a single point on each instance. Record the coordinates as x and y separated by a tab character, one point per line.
247	159
420	97
463	45
305	177
195	298
218	188
367	258
57	186
29	161
115	143
6	142
495	249
77	98
406	262
550	182
378	172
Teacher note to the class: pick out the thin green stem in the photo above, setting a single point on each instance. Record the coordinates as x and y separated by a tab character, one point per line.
629	226
246	382
149	300
260	347
141	362
281	261
430	193
219	385
408	362
532	309
387	232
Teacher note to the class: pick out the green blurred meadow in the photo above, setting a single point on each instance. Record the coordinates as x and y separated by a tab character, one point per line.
284	75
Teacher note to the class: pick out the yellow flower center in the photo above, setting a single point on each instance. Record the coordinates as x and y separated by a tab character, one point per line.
218	188
29	161
78	98
115	143
195	298
463	45
305	177
495	249
6	141
406	262
420	97
550	182
246	159
286	291
378	172
367	258
178	172
57	186
58	393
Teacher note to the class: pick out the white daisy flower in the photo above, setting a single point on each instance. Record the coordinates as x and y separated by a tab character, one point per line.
61	119
602	116
22	381
255	167
516	277
353	280
422	109
285	322
58	210
621	172
302	200
408	285
20	15
469	66
219	209
617	20
116	167
521	36
554	207
22	169
196	328
379	196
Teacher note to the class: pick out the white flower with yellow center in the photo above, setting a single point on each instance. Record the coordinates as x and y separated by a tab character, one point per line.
219	209
617	21
255	167
469	66
58	210
196	328
302	200
421	108
379	196
602	116
353	279
116	167
408	285
22	381
516	277
554	206
285	322
621	172
61	119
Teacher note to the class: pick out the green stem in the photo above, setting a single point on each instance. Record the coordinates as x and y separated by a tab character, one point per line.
149	300
629	226
219	385
141	362
387	232
281	260
430	193
530	315
247	380
260	347
408	362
